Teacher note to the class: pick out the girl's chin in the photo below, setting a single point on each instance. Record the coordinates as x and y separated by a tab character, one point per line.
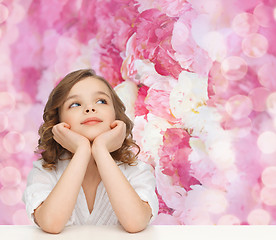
91	139
91	135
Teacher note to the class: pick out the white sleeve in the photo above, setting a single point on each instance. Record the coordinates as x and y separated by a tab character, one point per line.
143	181
40	183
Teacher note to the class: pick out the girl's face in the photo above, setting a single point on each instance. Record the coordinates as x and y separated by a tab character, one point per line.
88	108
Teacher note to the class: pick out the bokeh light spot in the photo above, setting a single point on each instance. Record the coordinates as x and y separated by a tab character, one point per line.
269	177
14	142
268	196
10	196
239	127
271	104
255	45
7	102
266	75
4	13
214	44
258	217
32	138
3	122
264	15
17	121
229	220
267	142
258	97
23	102
238	106
10	176
234	68
20	217
244	24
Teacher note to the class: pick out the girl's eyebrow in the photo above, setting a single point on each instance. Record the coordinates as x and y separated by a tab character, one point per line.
102	93
96	93
71	97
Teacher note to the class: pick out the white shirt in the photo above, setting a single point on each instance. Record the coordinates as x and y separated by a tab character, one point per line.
41	182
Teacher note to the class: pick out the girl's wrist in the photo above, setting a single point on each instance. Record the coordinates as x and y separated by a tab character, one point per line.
98	148
86	150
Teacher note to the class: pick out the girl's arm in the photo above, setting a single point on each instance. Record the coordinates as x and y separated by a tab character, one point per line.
133	213
53	214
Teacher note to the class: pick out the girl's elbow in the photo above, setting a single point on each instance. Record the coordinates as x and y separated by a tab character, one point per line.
135	226
135	229
138	224
52	228
48	222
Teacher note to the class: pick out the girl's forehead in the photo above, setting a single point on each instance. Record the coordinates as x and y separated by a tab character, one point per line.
90	84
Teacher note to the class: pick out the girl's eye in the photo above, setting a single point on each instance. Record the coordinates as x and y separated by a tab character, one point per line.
74	105
102	101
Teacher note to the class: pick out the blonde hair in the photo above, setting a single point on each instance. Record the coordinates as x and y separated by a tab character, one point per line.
51	151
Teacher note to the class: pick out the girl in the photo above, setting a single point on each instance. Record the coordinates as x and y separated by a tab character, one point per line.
88	173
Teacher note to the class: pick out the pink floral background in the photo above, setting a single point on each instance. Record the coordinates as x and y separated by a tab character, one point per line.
198	80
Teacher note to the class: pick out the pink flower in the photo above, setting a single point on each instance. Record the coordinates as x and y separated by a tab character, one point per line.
163	208
138	129
158	103
117	23
128	69
172	195
79	22
140	106
46	15
172	8
165	219
189	55
153	35
112	37
110	64
174	157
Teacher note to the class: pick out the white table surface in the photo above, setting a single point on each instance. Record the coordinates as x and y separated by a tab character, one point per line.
19	232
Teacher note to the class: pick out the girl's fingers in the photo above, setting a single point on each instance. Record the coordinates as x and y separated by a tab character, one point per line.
67	138
66	125
117	123
114	124
60	127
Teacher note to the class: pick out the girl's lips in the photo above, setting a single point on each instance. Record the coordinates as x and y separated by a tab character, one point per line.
91	121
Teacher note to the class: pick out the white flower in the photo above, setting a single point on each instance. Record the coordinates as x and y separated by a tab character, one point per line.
127	92
173	195
147	74
152	136
188	94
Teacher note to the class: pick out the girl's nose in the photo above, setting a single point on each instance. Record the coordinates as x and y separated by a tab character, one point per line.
92	110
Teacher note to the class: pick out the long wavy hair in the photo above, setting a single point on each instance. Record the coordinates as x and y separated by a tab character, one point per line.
51	151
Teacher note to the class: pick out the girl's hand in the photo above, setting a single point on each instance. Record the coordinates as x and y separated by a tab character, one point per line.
113	138
69	139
